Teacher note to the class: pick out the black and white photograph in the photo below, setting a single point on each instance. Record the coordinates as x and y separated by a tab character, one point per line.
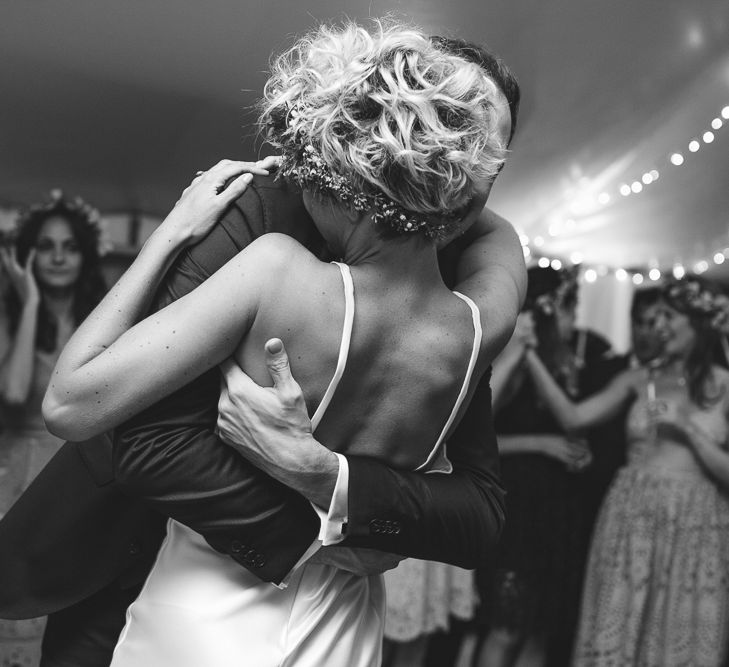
364	333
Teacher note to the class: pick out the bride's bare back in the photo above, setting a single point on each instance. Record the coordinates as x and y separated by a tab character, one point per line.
410	349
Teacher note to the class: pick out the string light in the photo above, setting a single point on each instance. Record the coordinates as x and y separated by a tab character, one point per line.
587	201
584	202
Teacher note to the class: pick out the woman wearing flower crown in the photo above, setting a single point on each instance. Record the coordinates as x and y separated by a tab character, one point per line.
395	142
525	592
53	282
657	584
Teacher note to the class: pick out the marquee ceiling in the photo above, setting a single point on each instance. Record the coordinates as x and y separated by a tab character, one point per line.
123	101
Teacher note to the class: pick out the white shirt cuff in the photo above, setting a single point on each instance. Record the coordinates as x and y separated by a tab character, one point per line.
332	523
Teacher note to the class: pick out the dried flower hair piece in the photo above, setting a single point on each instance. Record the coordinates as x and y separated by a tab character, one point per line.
695	299
307	168
548	302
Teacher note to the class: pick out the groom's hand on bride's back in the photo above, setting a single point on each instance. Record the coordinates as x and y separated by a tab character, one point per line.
271	428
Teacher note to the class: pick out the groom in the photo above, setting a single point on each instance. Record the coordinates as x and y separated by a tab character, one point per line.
79	543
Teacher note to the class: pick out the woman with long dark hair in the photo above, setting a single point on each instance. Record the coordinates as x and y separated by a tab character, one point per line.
657	584
54	280
525	591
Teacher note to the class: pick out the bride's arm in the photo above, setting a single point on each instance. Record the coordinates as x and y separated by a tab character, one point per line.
594	410
112	368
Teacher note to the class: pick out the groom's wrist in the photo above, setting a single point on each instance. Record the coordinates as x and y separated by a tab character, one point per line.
313	474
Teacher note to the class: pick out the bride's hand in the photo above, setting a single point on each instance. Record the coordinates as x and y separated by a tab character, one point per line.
209	195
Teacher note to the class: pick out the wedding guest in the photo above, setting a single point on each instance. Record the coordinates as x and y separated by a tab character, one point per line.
53	280
607	444
657	582
524	590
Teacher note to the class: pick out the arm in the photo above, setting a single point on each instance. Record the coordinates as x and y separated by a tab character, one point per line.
511	358
111	368
169	456
711	456
16	371
452	518
489	267
575	454
594	410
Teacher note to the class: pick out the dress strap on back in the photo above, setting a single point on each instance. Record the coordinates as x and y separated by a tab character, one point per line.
477	334
343	347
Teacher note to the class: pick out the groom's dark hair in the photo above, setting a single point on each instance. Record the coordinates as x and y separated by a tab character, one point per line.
501	75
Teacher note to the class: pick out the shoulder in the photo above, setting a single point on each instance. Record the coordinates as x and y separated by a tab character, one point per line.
274	252
631	378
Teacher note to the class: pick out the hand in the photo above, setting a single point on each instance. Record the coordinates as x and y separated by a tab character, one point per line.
361	562
271	428
575	454
21	277
694	436
210	193
524	335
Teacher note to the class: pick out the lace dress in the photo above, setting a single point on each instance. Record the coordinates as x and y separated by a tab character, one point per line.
657	584
423	595
25	447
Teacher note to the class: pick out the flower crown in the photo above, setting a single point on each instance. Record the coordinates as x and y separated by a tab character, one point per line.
87	213
307	168
548	302
694	298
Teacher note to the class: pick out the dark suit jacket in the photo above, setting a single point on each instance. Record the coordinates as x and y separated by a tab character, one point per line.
95	516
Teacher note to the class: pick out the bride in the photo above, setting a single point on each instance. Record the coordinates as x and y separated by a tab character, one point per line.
395	143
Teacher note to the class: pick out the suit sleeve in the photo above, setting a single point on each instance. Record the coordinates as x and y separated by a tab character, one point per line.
169	457
454	518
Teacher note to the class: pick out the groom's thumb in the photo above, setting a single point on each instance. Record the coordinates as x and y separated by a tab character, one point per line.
278	364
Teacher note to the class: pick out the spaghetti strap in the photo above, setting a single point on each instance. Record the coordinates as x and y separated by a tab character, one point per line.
477	334
343	347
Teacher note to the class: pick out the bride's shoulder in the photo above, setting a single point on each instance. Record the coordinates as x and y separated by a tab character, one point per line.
275	250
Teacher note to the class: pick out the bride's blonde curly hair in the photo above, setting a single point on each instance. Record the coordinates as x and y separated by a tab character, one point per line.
385	119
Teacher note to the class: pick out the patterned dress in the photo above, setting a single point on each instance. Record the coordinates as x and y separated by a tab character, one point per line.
423	595
25	447
657	585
